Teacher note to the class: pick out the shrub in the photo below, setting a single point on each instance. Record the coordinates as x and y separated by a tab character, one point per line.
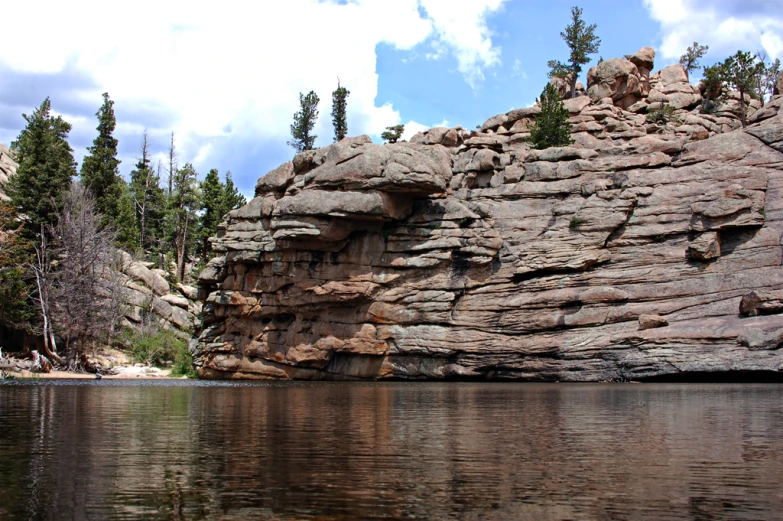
551	128
575	222
663	115
155	346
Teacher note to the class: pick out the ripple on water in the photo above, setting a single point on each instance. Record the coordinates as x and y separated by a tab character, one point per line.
237	450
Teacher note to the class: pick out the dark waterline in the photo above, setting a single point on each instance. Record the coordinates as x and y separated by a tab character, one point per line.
238	450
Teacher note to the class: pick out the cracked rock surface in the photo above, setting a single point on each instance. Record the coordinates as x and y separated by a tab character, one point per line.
469	255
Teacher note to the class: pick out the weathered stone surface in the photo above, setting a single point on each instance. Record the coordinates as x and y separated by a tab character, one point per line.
618	79
492	260
7	168
149	278
644	58
762	302
651	322
276	180
705	247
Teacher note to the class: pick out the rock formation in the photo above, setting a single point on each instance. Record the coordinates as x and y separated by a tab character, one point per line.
7	168
644	249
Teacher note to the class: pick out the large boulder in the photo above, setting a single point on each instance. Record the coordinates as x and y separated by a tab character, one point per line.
618	79
670	86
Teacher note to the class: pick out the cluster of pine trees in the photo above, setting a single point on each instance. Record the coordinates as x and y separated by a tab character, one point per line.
163	213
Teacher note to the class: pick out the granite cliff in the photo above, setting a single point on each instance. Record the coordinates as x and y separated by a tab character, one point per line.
644	249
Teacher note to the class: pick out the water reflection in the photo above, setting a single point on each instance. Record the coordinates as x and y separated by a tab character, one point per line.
391	451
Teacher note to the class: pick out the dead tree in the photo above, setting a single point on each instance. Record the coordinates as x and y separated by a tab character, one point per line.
84	296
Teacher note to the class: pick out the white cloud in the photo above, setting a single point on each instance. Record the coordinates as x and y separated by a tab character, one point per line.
233	71
725	25
461	26
411	128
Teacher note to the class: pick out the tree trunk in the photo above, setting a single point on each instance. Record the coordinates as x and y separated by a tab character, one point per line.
743	109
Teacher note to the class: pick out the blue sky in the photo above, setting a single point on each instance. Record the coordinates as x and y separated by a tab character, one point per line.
227	80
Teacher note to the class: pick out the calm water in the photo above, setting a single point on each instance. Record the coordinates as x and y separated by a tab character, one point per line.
107	450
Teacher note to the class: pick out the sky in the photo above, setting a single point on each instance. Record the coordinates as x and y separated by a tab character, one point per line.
225	78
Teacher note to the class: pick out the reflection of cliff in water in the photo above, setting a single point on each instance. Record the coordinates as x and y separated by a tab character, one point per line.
356	451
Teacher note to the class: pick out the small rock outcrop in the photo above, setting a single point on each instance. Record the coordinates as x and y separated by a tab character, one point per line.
7	168
643	249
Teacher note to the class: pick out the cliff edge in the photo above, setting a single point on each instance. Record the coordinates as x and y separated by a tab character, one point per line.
644	249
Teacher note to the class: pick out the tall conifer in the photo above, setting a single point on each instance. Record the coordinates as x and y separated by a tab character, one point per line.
100	169
304	122
339	118
46	167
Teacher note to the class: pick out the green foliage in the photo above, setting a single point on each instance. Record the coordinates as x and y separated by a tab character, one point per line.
149	200
304	122
156	346
16	309
575	222
551	128
741	72
125	222
339	118
217	199
768	78
393	133
46	166
663	115
100	169
211	203
232	199
713	85
582	41
690	60
181	217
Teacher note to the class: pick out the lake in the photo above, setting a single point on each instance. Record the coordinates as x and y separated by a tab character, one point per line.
341	451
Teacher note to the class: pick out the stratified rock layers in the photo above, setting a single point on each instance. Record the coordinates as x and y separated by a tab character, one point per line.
458	255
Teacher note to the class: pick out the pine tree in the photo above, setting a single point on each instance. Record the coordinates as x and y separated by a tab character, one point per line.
712	85
741	72
393	133
217	199
148	199
16	309
304	122
339	120
100	173
690	60
183	205
582	41
128	236
46	167
232	199
212	196
172	164
551	128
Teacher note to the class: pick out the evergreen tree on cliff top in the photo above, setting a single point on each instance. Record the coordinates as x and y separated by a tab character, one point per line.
100	173
741	72
304	121
551	128
339	120
46	166
582	41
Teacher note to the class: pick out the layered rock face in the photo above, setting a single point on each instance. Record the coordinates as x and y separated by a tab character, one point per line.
644	249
